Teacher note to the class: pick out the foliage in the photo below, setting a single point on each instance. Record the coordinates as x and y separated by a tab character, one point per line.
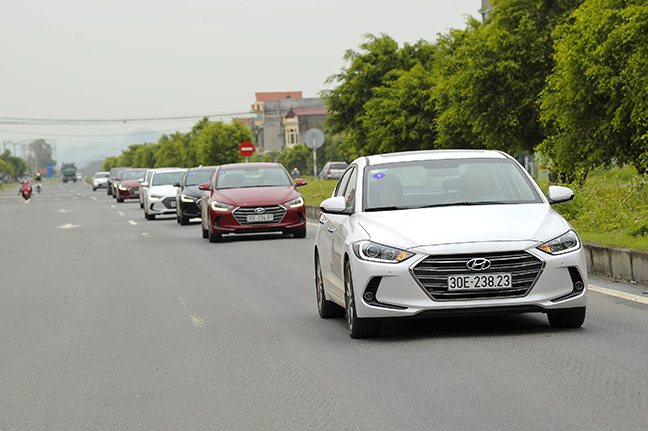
597	97
12	166
299	156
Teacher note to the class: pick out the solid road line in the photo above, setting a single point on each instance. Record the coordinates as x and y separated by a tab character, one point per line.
618	294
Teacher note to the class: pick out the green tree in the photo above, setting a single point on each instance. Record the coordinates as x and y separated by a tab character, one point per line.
299	156
596	101
41	154
218	143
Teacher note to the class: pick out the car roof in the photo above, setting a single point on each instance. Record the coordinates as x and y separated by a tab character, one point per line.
202	168
250	165
407	156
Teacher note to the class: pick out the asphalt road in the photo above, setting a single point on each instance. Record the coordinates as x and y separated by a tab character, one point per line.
112	322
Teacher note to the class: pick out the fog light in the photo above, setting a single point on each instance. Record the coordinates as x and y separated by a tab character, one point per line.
368	296
579	285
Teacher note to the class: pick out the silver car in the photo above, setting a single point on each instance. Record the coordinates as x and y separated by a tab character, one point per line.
333	170
161	192
100	180
445	233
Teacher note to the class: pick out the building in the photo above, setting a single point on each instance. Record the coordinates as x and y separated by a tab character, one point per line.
282	119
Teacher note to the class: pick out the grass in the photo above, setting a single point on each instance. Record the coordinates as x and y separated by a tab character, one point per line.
610	208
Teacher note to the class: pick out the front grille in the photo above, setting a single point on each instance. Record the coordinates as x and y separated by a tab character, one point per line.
133	191
169	203
432	273
241	214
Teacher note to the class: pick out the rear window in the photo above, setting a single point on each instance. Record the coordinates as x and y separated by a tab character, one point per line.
339	166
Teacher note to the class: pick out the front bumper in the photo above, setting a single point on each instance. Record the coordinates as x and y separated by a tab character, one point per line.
397	290
235	221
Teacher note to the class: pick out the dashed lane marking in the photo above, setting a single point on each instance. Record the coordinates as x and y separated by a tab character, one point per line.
619	294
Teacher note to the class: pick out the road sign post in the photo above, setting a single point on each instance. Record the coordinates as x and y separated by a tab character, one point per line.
246	149
314	138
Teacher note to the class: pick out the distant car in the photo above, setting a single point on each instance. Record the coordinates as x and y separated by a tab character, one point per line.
189	195
251	198
100	180
445	233
161	193
333	170
112	176
144	186
129	184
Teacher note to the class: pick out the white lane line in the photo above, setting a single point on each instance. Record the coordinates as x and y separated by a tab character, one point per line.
133	222
121	213
619	294
93	198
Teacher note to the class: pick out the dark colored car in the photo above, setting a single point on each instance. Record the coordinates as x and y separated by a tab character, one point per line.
251	198
129	184
188	193
112	177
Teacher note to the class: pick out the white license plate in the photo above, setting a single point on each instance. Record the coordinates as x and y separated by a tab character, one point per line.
172	204
493	280
259	217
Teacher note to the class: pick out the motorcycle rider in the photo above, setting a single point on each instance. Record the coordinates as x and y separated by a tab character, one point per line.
25	182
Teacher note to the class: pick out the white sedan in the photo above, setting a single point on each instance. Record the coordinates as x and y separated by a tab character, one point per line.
444	233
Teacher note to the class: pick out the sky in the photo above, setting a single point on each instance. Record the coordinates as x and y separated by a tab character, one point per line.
158	66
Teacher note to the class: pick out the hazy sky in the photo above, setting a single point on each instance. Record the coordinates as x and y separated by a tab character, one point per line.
134	59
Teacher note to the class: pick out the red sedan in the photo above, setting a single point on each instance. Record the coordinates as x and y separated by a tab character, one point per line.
128	186
252	198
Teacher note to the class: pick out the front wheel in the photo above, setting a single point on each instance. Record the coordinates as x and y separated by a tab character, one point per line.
569	318
326	308
299	233
215	237
358	327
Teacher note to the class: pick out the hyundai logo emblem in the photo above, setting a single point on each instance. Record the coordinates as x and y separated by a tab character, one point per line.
259	210
478	264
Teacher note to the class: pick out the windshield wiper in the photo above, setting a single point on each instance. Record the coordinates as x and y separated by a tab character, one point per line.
467	203
390	208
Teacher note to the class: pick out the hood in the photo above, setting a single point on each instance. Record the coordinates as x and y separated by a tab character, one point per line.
130	183
192	191
166	191
256	195
433	227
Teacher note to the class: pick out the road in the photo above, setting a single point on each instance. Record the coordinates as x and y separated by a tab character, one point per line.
112	322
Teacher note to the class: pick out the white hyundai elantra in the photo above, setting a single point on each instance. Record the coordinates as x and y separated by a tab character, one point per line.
445	233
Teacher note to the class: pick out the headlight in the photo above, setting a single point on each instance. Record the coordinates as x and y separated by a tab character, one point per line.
563	244
123	188
156	197
186	198
367	250
295	203
219	206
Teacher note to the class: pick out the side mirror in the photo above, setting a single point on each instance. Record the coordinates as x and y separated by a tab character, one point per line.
300	182
177	185
204	187
558	194
334	205
144	184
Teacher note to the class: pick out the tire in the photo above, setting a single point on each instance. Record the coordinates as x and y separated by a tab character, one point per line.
568	318
184	221
299	233
215	237
94	189
120	200
358	327
327	309
205	232
149	216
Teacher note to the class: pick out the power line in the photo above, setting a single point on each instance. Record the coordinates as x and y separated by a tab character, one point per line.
102	121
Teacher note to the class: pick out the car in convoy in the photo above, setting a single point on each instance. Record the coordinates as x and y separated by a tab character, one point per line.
333	170
189	195
128	186
113	175
161	192
100	180
144	186
445	233
252	198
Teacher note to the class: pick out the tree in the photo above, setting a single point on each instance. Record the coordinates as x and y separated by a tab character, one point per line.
300	157
218	143
596	101
41	154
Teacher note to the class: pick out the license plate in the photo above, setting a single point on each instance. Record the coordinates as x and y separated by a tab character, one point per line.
172	204
135	192
493	280
259	217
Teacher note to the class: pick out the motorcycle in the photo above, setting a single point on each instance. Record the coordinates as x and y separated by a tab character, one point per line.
26	191
38	187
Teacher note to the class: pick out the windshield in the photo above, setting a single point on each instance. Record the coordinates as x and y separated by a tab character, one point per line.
253	177
134	175
166	178
446	182
195	178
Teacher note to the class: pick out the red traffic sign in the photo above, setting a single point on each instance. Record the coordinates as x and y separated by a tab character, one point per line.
246	148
